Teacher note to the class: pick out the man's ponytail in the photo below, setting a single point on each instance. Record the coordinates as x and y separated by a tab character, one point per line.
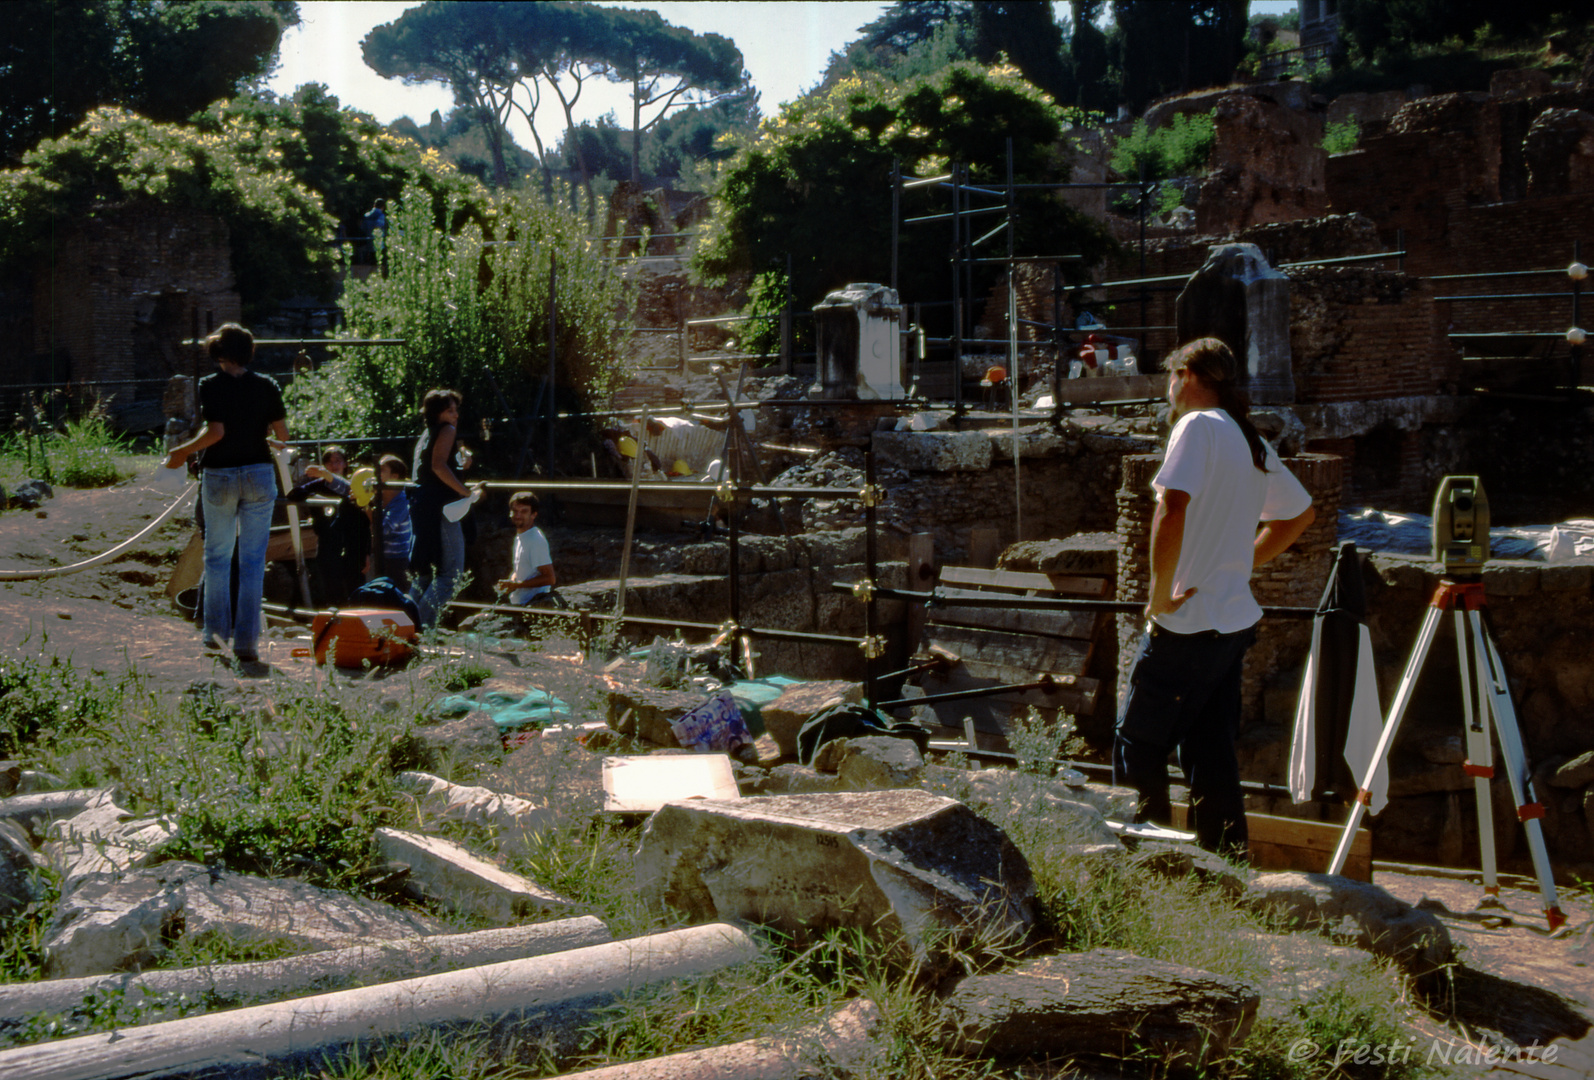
1211	361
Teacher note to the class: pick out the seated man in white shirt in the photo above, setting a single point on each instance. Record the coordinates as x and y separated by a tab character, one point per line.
531	576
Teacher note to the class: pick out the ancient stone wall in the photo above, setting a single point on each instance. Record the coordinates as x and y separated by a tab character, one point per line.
121	290
1358	333
1266	165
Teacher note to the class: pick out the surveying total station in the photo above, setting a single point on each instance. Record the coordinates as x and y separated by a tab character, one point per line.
1461	547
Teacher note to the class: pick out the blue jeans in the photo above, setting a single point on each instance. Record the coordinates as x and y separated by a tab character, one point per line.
435	584
238	504
1184	695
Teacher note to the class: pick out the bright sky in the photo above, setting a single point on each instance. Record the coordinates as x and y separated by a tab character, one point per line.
785	46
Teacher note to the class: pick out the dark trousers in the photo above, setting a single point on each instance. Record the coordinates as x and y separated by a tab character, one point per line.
1184	696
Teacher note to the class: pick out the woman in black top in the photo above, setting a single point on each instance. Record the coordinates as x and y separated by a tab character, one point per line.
244	420
438	557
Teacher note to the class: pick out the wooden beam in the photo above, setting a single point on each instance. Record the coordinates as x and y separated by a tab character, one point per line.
1281	843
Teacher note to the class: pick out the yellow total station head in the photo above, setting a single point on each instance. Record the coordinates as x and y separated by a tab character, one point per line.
1461	525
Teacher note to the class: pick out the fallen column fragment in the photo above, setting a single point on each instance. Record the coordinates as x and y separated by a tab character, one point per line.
841	1039
543	998
317	972
37	809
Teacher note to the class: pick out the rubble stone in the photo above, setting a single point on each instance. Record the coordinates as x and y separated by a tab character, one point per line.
506	816
443	871
935	451
1579	772
1178	860
912	864
1357	913
103	840
880	762
106	926
785	716
1100	1002
794	779
652	711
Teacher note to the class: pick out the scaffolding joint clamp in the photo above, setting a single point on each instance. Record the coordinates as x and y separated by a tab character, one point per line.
874	645
726	493
871	495
863	591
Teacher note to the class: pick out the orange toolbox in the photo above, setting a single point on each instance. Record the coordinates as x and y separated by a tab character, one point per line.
360	636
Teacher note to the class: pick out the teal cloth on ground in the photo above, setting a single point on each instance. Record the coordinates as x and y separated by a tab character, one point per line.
509	711
751	695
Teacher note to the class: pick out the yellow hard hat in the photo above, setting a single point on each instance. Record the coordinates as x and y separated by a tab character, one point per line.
362	486
680	468
627	446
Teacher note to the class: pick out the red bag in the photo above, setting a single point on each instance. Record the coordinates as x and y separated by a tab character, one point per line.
359	636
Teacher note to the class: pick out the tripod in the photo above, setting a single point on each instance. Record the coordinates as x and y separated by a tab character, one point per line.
1488	698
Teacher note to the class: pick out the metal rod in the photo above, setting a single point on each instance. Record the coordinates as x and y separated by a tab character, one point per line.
797	636
1045	684
1345	259
968	213
1504	296
939	598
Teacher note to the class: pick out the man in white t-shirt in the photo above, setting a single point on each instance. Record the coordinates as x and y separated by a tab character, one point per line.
532	574
1218	483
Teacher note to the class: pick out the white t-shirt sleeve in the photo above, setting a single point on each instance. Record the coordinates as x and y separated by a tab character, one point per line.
1286	497
1186	466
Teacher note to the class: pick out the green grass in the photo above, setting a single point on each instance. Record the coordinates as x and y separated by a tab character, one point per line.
82	453
296	788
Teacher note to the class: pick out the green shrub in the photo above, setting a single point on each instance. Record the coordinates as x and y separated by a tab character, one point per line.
84	453
471	306
1180	148
1342	137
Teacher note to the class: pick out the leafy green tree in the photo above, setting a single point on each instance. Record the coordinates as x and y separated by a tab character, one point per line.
1091	59
59	61
1382	28
468	46
1171	46
668	67
907	23
472	307
1028	35
816	182
277	226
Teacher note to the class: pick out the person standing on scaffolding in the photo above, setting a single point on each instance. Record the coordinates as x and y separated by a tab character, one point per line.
1225	505
244	419
437	558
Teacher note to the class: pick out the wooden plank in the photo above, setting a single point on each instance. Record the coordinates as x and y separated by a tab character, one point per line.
1027	652
1281	843
1080	625
1086	587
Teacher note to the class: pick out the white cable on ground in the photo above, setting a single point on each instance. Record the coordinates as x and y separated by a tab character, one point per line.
106	556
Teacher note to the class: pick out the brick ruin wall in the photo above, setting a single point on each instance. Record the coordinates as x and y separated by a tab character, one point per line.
122	290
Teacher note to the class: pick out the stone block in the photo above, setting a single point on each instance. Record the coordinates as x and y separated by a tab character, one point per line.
1115	803
1355	913
443	871
1103	1002
1034	441
121	925
504	816
794	779
1566	577
935	451
652	711
103	840
785	716
830	755
642	784
1502	578
1402	571
880	763
914	865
